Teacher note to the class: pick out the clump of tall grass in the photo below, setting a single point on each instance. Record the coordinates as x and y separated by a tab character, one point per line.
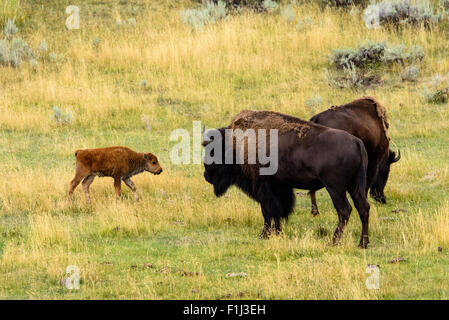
11	8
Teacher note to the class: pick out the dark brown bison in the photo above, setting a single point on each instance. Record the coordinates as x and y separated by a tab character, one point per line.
309	156
120	163
366	119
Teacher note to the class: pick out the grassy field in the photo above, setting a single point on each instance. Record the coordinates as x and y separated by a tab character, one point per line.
180	241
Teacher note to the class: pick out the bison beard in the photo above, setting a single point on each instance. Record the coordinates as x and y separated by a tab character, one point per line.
308	159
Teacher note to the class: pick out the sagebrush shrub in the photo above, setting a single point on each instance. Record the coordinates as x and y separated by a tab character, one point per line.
237	5
342	3
375	54
269	5
10	28
366	55
208	14
410	73
288	14
439	91
14	50
313	103
397	12
350	78
357	65
60	117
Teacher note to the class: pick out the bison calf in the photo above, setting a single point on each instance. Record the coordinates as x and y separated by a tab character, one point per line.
120	163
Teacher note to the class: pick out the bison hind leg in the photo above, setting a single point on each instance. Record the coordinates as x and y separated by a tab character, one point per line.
362	206
343	208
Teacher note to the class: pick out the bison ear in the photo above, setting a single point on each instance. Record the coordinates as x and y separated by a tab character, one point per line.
146	156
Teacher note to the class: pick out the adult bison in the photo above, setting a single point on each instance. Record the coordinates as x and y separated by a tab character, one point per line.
309	156
366	119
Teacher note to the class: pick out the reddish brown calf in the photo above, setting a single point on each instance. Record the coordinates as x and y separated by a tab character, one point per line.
120	163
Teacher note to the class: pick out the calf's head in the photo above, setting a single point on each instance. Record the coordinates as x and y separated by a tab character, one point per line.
152	164
379	182
216	171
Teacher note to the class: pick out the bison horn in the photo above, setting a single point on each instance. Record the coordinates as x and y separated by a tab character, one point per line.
205	143
398	157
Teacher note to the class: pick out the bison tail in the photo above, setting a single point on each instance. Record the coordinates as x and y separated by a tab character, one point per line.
361	174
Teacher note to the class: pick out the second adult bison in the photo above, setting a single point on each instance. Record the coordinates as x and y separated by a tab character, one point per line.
310	156
366	119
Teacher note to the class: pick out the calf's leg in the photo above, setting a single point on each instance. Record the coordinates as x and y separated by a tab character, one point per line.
86	184
80	174
118	187
133	188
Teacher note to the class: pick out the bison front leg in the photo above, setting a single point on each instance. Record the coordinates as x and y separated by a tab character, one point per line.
133	188
266	231
314	211
276	203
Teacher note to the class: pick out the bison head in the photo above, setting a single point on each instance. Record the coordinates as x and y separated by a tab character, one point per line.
216	171
152	164
379	182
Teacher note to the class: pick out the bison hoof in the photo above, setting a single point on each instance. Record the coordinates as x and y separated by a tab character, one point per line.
315	212
265	234
380	199
364	242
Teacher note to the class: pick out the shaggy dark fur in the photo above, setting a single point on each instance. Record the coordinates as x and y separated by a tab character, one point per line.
319	158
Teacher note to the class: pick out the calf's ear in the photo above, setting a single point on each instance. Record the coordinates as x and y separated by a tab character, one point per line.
146	157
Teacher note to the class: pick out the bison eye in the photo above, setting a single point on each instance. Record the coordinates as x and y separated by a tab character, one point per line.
154	162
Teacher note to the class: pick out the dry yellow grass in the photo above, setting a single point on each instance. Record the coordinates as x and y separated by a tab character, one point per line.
247	61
